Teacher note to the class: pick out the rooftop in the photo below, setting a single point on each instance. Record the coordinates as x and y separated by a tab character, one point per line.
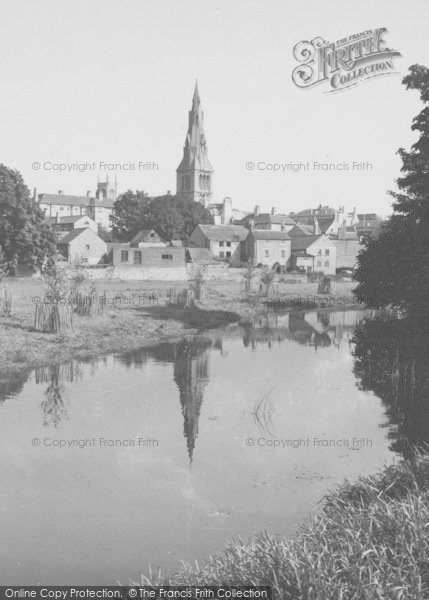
216	233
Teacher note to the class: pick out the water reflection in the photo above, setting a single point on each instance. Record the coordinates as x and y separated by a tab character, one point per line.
392	360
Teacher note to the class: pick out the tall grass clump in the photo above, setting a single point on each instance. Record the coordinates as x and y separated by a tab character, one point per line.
5	295
369	542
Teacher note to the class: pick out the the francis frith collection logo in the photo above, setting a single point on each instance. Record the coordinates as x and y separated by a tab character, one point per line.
344	63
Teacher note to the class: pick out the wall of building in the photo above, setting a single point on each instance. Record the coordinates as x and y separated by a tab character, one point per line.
255	250
347	253
324	262
151	257
87	246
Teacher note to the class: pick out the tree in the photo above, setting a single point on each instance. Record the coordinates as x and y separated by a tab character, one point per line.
394	269
26	236
171	217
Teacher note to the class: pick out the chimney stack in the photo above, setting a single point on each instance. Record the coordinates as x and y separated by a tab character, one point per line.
257	209
273	211
88	193
60	192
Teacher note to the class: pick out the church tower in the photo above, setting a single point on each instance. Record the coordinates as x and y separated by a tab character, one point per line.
195	173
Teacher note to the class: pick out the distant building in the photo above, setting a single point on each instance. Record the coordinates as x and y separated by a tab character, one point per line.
313	253
194	175
368	226
272	221
64	205
223	241
268	248
82	244
324	219
99	208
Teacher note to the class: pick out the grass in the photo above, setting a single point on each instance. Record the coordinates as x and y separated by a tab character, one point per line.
370	542
127	325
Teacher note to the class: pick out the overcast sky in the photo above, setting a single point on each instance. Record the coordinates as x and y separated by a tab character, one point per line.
112	81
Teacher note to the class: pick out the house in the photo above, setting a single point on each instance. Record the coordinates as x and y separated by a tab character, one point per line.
82	244
223	241
63	225
149	257
314	253
147	238
272	221
268	248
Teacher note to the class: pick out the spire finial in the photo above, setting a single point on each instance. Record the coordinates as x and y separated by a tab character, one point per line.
196	99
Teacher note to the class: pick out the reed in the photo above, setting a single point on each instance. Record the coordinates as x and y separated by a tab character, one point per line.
53	318
5	301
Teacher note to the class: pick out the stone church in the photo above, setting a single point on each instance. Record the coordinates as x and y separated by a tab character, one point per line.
195	173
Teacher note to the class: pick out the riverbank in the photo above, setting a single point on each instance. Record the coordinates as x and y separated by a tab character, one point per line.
370	541
138	315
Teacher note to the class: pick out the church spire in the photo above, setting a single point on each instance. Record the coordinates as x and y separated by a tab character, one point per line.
195	173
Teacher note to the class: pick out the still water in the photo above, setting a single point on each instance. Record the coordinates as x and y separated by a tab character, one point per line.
162	454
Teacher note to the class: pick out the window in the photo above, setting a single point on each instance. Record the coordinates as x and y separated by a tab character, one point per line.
167	257
151	234
283	253
319	252
283	241
228	255
124	255
137	257
319	263
228	244
221	254
87	246
326	263
267	253
327	252
221	244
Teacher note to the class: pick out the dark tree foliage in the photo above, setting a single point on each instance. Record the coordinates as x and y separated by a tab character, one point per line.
26	236
394	269
171	217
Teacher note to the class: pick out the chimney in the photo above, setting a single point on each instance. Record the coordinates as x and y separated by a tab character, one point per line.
35	194
251	224
256	210
88	193
60	192
273	211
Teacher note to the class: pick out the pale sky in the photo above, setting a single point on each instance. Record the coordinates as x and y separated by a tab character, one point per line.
112	81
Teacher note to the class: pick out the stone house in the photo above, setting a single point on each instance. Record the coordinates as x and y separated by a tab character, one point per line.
82	244
315	253
223	241
267	248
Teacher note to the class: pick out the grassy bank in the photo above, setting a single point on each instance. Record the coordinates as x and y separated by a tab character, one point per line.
129	323
370	541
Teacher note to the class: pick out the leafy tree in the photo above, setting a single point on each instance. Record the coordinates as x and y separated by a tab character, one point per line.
105	234
394	269
171	217
25	234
